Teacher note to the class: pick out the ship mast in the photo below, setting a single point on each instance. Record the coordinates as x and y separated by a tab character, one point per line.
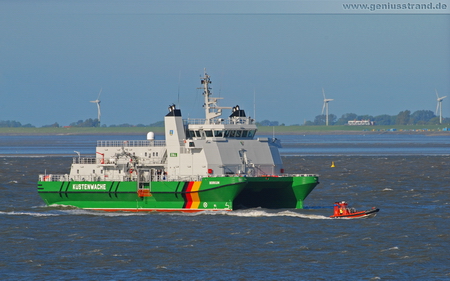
211	109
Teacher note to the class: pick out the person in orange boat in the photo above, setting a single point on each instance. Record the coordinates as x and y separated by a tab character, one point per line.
337	209
343	208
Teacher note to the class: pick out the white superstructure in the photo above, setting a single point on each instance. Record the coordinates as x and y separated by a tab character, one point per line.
192	149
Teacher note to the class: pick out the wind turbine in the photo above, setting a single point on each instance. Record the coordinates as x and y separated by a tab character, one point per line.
325	106
97	101
439	106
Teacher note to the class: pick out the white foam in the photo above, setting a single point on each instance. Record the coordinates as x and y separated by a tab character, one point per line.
83	212
63	210
28	214
252	213
390	249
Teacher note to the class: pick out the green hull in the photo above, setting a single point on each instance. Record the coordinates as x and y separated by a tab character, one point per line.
276	192
215	193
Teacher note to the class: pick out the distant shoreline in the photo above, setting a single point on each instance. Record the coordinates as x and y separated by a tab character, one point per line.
349	132
279	130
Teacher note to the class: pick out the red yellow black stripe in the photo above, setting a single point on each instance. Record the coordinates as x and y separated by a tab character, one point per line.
190	194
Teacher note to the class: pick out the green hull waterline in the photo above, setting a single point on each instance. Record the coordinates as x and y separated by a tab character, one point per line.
211	193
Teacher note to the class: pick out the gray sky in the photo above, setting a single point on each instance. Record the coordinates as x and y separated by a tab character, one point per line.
56	56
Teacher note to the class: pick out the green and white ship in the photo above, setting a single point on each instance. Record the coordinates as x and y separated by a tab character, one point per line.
203	164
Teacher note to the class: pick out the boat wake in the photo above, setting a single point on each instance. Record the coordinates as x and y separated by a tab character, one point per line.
13	213
254	213
61	210
250	213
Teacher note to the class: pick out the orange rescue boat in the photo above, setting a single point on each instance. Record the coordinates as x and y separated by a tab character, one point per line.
341	210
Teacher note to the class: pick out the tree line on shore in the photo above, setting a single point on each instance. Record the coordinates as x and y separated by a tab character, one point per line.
80	123
419	117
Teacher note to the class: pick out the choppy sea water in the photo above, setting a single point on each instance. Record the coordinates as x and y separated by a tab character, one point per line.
408	239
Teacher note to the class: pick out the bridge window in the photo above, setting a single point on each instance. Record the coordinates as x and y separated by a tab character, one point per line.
244	133
208	133
238	133
218	134
232	133
226	133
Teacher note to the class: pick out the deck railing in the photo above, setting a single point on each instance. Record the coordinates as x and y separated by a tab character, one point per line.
94	177
219	121
130	143
93	160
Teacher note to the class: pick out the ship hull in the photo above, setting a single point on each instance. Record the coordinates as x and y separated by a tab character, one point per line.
276	192
190	196
215	193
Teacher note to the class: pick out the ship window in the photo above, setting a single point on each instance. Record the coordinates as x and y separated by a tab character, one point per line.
146	154
120	171
191	134
101	171
156	153
244	133
251	133
218	134
93	171
78	171
197	134
238	133
226	133
232	133
208	133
